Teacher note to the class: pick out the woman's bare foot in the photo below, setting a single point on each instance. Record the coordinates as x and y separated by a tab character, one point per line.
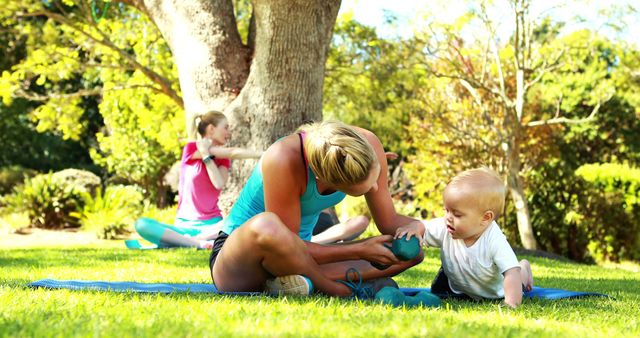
526	275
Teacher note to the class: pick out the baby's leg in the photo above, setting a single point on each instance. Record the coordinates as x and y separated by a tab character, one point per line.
526	275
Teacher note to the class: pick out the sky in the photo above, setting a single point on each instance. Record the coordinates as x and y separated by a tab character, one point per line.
413	14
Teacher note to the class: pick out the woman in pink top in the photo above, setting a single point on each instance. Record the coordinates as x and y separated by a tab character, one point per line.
204	171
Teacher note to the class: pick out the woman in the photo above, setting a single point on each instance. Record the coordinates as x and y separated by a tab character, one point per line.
204	171
268	231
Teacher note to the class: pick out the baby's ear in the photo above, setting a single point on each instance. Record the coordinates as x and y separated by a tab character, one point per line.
487	217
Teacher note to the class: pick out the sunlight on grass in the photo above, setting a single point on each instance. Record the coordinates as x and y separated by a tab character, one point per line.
38	312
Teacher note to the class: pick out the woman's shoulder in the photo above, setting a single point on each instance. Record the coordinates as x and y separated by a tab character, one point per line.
284	153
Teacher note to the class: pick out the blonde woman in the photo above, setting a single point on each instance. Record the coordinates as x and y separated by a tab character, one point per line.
204	171
265	241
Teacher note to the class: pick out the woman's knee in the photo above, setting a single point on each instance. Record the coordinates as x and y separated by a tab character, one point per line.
149	228
267	229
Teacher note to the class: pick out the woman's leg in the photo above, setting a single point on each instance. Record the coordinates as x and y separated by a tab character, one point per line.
262	248
346	231
164	234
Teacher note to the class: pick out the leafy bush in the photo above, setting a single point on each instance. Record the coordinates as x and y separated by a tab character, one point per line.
111	214
48	202
611	210
13	220
13	176
166	215
81	179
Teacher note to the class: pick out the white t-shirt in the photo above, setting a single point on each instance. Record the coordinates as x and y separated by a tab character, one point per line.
476	271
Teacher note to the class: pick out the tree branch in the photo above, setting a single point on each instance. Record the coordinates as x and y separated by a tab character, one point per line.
558	120
80	93
165	85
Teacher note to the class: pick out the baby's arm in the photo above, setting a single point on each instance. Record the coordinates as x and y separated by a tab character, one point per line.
415	228
512	287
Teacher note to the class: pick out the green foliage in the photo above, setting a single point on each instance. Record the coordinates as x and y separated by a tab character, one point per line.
371	82
50	203
13	176
72	58
13	220
163	215
612	210
111	214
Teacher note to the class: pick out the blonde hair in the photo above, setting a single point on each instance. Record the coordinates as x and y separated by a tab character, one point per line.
337	153
486	185
202	121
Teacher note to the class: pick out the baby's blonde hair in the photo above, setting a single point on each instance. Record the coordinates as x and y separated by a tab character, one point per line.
486	185
337	153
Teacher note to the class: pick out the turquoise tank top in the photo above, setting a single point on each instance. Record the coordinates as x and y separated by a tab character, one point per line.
251	203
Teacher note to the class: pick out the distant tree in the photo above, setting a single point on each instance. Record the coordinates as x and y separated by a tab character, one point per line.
496	81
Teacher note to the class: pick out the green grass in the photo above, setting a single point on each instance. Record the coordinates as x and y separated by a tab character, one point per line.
26	312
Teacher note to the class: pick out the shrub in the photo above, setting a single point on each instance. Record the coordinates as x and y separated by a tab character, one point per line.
48	202
81	179
611	210
111	214
166	215
13	176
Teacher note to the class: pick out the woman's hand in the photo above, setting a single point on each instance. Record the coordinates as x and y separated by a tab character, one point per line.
203	146
374	250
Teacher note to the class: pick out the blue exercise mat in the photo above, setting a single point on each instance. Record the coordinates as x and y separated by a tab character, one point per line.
131	287
537	292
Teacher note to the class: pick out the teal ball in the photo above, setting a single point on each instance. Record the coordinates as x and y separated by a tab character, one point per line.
423	298
406	249
390	295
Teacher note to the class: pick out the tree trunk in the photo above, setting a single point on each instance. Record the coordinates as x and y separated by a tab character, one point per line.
284	88
516	190
265	95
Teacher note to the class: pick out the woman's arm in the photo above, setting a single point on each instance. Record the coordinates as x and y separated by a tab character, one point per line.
379	201
234	153
284	181
217	175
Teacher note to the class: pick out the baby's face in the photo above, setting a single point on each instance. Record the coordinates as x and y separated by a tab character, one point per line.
463	216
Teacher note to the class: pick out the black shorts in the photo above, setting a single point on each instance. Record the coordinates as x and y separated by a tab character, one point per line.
217	246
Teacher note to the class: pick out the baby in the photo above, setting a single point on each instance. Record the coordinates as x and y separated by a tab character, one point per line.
477	261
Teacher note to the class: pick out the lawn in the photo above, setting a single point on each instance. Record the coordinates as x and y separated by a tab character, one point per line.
26	312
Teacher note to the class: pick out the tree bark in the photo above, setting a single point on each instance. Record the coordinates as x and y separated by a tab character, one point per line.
516	190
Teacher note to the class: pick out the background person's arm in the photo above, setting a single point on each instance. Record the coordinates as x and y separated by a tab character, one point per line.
217	175
234	153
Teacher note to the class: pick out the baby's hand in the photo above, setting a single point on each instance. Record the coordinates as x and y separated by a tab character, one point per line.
415	228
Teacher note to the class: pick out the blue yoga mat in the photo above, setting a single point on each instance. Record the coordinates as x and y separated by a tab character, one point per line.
537	292
131	287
